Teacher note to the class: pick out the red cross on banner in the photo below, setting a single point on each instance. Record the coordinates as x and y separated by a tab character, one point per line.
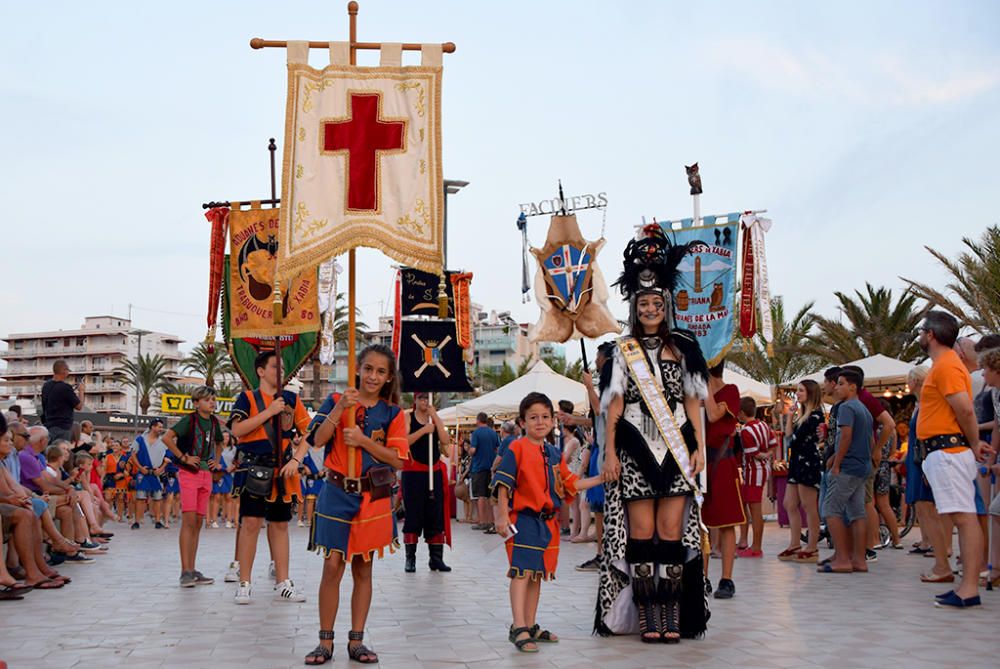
364	138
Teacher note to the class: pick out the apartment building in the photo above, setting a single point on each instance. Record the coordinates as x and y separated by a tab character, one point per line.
93	352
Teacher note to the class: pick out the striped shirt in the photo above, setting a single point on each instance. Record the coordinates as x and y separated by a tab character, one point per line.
756	438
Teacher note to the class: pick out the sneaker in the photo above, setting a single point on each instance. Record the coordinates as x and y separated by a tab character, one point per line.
270	572
201	579
301	523
229	524
215	524
243	593
287	592
870	555
749	553
233	575
726	589
188	579
135	526
79	558
159	526
593	564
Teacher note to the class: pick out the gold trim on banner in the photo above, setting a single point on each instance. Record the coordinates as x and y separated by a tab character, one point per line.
363	232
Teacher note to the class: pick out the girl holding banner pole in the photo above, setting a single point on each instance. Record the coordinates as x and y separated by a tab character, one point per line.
651	572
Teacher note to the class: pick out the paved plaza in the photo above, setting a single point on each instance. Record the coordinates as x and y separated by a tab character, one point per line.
126	610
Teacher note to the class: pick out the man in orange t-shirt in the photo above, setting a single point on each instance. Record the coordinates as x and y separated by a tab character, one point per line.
949	434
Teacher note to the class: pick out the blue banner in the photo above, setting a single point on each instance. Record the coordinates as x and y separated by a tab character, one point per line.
705	299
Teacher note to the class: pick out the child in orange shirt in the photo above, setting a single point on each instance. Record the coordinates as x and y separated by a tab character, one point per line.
530	485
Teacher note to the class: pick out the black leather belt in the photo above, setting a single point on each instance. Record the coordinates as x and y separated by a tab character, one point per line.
544	515
944	441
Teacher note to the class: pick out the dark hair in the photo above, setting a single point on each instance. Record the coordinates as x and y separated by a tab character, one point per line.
16	408
666	327
606	349
985	343
718	369
943	325
851	376
390	390
832	374
566	406
260	362
748	406
532	399
3	423
604	380
857	370
481	417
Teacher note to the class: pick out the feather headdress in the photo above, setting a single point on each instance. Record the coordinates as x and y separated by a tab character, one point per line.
650	264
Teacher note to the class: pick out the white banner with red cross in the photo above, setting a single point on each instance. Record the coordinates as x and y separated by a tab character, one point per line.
362	159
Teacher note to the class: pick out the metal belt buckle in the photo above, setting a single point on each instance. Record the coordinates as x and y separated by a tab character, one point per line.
352	486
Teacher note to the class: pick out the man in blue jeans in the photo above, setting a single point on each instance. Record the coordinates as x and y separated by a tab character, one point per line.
844	504
485	444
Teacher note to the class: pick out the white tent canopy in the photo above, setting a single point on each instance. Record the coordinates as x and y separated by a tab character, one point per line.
758	390
506	400
880	371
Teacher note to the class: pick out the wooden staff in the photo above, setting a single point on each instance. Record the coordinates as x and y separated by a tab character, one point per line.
430	448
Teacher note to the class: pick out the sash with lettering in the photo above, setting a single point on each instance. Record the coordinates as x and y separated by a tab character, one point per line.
362	159
655	399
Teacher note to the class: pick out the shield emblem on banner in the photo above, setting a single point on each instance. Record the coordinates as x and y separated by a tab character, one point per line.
567	274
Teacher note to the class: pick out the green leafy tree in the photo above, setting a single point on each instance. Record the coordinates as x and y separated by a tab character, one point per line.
147	375
973	292
491	379
209	364
791	357
873	323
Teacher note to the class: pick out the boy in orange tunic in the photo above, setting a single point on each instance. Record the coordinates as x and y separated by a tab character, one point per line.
531	483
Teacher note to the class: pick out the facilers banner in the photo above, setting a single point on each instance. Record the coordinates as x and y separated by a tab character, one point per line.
705	297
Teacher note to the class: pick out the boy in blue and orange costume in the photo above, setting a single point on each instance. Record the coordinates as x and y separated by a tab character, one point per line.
530	485
353	518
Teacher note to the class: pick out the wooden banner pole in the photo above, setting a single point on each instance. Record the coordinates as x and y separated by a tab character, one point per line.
352	14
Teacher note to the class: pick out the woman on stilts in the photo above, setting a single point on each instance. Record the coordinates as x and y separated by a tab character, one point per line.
652	578
353	519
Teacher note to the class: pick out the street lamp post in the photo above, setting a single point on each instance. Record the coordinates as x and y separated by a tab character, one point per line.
451	186
138	362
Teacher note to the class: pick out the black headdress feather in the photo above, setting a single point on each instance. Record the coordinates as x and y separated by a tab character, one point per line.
650	264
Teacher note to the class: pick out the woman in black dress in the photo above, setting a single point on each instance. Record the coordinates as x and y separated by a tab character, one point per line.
805	468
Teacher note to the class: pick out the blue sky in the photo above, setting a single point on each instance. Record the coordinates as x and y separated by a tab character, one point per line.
867	129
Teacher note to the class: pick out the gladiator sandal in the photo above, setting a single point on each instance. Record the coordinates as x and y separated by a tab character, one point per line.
321	654
670	606
359	652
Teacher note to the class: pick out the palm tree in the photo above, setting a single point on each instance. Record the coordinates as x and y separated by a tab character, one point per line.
493	379
147	375
874	324
791	357
341	329
975	283
171	388
209	365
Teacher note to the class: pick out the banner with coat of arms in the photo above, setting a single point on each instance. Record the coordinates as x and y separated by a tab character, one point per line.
705	297
569	285
430	357
362	159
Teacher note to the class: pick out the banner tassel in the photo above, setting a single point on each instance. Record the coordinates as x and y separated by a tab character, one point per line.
770	350
276	303
442	298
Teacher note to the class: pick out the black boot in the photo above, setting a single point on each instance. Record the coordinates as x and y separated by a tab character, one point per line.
639	554
670	569
436	562
411	558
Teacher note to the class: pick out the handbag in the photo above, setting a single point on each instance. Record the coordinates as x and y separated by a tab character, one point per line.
259	480
381	480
